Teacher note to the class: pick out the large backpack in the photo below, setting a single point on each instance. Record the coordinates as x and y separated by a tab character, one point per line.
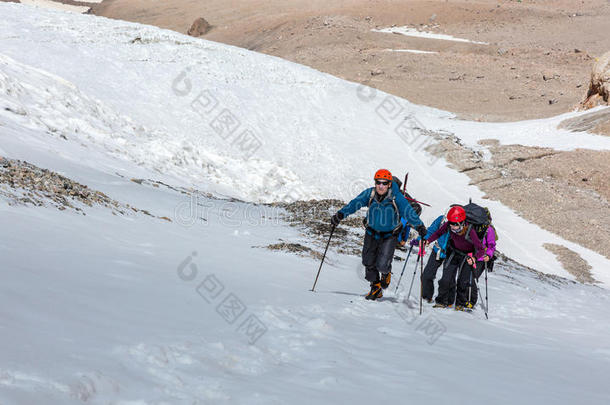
478	218
415	205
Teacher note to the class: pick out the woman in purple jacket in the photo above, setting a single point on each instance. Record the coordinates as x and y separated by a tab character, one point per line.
464	250
490	248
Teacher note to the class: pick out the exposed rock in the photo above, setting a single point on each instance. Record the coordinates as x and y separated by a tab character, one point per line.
572	262
30	184
296	248
199	27
550	76
313	218
541	184
599	86
596	121
22	183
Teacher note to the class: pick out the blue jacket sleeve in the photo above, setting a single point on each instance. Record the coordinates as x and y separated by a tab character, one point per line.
433	226
406	211
361	201
439	232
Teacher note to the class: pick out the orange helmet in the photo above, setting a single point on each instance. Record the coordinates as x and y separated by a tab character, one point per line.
383	174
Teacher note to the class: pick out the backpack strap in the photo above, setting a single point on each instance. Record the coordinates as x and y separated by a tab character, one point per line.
371	197
396	211
389	195
395	207
393	200
468	238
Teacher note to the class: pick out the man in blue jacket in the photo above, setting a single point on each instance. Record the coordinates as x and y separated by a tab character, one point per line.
386	206
439	252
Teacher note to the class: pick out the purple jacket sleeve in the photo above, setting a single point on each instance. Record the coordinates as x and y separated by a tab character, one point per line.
441	230
478	246
490	242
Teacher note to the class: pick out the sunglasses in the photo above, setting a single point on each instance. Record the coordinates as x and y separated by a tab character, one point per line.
455	224
384	183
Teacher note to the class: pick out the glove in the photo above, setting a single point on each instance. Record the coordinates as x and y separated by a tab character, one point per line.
335	219
422	231
414	242
471	260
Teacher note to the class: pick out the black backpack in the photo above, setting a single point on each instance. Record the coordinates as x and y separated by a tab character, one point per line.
478	218
415	205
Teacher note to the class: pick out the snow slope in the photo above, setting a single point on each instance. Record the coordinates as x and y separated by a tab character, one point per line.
55	5
100	308
247	125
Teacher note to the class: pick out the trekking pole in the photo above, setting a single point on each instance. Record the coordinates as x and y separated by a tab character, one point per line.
323	257
413	279
459	274
403	270
470	289
474	266
486	293
422	252
484	306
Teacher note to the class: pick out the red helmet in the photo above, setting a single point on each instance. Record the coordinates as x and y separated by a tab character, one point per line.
383	174
456	214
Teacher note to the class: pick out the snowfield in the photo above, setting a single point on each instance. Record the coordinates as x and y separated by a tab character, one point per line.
55	5
133	309
100	308
250	126
414	32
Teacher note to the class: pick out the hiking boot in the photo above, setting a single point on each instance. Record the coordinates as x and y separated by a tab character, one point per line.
469	305
459	308
428	300
385	280
439	305
376	292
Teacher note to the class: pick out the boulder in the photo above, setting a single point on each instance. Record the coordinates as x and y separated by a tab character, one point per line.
599	86
199	27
